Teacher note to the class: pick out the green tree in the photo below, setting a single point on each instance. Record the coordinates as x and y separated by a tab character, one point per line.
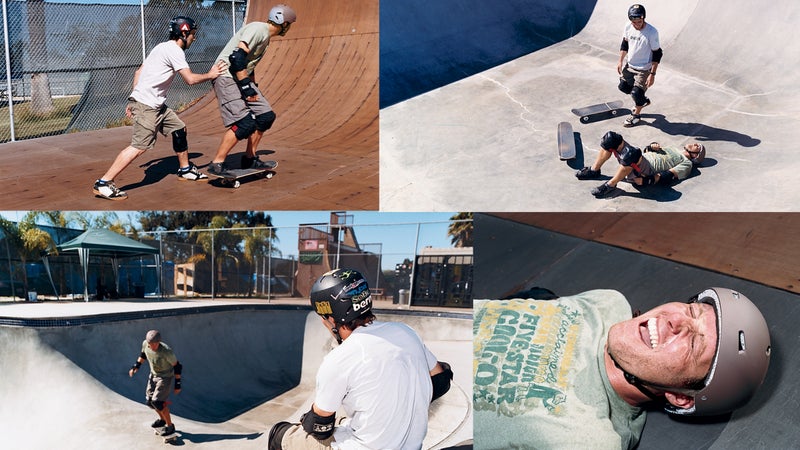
461	230
28	240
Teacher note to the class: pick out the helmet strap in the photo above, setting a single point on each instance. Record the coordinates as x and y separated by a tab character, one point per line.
335	332
636	382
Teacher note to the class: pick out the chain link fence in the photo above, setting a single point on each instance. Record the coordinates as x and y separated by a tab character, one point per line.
69	67
399	263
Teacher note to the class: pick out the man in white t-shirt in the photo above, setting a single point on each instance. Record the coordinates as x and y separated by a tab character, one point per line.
639	56
382	375
146	106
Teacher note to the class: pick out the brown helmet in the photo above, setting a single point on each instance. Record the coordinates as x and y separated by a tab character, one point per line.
742	357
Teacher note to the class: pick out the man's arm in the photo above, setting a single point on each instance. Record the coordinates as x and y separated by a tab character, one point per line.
135	367
318	423
238	68
192	78
623	51
178	368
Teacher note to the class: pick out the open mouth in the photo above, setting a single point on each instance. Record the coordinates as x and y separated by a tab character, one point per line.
649	332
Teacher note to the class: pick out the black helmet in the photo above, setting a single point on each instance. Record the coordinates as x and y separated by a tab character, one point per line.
610	141
180	25
342	294
636	12
742	357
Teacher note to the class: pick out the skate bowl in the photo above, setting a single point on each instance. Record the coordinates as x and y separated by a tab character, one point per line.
321	80
718	84
246	367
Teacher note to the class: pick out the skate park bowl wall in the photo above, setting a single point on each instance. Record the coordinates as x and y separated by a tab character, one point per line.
721	82
428	44
245	367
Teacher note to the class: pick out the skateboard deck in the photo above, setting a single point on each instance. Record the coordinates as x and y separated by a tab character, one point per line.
598	112
170	438
235	175
566	141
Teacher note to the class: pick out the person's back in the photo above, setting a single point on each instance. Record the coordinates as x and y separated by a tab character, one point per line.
383	368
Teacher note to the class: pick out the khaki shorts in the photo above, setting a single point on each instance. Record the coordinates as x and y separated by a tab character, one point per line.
158	388
232	107
148	121
635	77
296	438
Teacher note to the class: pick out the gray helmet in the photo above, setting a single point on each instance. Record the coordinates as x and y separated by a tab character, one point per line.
698	157
636	12
740	363
342	294
280	14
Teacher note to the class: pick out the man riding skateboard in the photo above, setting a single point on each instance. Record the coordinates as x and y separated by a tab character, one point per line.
165	372
245	111
639	56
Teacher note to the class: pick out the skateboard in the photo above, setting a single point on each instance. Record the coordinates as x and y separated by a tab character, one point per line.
237	174
599	111
566	141
170	438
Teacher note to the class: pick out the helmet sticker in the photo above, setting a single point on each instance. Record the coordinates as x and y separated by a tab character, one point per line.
324	308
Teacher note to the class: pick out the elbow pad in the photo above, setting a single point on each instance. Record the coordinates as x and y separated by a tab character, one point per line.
657	54
441	381
624	46
319	427
143	356
238	60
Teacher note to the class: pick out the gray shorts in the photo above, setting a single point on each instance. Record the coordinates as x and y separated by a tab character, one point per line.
296	438
635	77
232	107
158	388
148	122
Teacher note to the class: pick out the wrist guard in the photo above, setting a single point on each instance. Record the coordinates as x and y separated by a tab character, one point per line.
245	88
319	427
441	381
177	383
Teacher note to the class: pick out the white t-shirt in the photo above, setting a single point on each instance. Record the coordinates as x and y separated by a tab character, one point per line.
380	376
158	71
641	44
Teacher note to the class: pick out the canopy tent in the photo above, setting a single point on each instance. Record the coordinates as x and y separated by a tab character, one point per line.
108	244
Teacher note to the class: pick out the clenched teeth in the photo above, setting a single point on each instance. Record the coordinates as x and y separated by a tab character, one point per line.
652	327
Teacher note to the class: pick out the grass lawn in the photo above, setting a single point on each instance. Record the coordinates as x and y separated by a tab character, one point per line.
27	125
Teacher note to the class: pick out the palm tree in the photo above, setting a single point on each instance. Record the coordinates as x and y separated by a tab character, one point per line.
28	240
461	230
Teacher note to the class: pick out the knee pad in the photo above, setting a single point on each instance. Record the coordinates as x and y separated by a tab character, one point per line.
179	142
264	121
275	441
244	127
624	86
158	405
638	96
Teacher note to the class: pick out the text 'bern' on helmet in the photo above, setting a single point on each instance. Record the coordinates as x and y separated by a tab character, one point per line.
343	294
742	358
280	14
179	25
636	12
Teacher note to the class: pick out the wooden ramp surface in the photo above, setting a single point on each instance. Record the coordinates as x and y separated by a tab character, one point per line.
322	81
757	247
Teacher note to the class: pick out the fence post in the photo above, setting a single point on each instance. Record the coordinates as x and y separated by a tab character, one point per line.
9	90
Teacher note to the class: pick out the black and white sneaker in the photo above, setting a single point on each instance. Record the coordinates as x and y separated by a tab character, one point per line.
159	424
191	174
602	190
587	173
107	189
170	429
632	120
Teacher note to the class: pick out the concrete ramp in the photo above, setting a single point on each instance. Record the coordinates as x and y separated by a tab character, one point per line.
245	368
724	81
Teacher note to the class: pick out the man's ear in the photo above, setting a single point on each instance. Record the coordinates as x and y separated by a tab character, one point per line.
682	401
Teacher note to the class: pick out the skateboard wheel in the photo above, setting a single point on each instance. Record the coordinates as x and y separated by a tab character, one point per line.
614	112
236	184
269	175
584	119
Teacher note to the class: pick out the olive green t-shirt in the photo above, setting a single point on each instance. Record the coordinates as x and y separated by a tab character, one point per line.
161	361
539	375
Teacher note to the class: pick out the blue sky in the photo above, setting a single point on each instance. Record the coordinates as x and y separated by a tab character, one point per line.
397	241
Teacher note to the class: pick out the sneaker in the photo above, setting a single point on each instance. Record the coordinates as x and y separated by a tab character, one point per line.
167	430
587	174
255	163
108	190
632	120
159	423
602	190
191	173
217	169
